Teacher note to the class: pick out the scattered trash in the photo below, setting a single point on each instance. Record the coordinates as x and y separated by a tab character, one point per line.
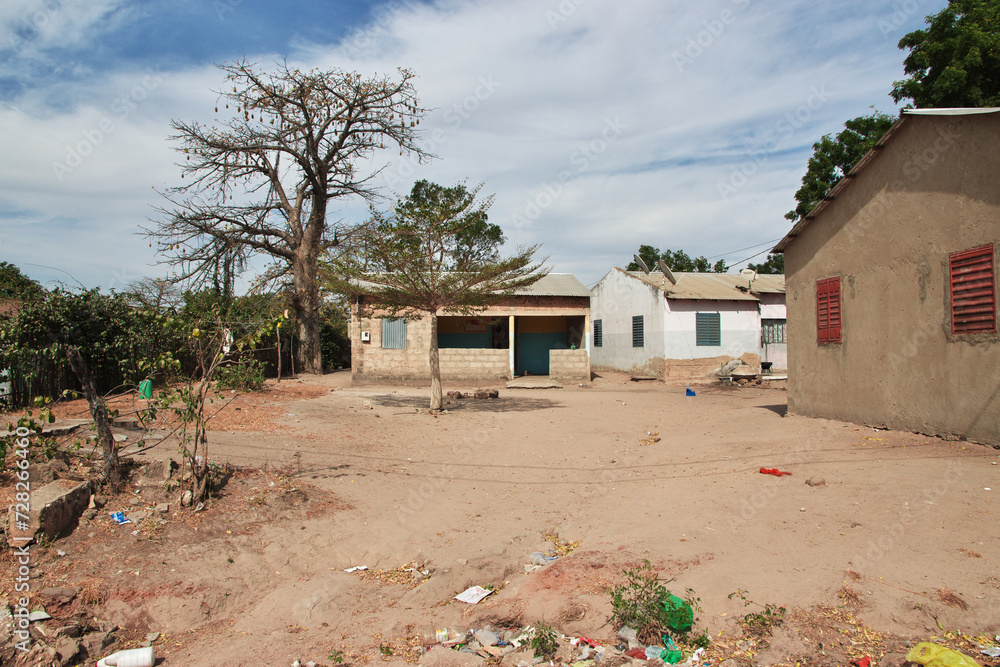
473	595
992	651
815	481
628	634
773	471
356	568
538	558
38	615
120	518
689	392
680	615
637	653
935	655
862	662
135	657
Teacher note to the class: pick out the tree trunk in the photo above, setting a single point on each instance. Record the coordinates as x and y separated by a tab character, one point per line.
435	365
307	307
112	466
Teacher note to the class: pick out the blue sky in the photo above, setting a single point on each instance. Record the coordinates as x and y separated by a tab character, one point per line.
599	125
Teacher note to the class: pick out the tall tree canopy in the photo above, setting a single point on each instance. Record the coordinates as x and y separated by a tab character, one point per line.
435	253
675	261
833	156
774	264
16	285
955	62
261	182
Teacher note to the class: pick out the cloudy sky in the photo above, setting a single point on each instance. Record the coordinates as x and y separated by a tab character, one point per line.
599	125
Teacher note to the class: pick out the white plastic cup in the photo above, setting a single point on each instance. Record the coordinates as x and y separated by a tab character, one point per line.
134	657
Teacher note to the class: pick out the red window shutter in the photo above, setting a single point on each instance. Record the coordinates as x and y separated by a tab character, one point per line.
829	317
973	292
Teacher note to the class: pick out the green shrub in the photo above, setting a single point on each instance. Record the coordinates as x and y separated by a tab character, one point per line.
243	376
544	641
644	604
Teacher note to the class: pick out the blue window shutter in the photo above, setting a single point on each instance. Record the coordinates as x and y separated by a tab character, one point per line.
638	335
394	333
708	329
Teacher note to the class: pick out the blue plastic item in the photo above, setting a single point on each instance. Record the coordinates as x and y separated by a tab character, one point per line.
690	392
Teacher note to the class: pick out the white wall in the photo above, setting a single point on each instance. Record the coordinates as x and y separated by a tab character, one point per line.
739	323
617	298
772	307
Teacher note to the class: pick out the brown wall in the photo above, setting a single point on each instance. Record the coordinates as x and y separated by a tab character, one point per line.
933	189
371	364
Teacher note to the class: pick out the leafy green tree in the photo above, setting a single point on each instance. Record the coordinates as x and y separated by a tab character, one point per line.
834	156
16	285
775	264
955	62
114	340
424	241
675	261
262	182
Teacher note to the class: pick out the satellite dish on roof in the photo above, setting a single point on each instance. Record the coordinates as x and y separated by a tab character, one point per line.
642	264
665	270
749	274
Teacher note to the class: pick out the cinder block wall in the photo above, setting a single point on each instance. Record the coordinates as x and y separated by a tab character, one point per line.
481	365
569	366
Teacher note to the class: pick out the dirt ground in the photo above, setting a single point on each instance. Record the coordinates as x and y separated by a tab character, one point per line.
898	544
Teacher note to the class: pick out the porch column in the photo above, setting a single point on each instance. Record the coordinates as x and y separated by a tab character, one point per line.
510	344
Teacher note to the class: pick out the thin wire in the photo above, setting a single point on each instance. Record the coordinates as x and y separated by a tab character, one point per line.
757	245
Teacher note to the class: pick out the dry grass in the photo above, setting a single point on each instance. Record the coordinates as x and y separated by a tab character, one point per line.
951	599
559	546
849	596
405	575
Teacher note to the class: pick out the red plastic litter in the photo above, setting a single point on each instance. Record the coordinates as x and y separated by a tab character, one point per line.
773	471
638	653
863	662
589	642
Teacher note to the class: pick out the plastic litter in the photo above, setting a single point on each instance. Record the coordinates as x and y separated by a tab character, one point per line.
628	634
689	392
935	655
680	616
992	651
120	518
356	568
773	471
637	653
473	595
135	657
538	558
862	662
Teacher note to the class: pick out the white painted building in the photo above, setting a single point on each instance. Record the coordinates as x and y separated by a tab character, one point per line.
649	325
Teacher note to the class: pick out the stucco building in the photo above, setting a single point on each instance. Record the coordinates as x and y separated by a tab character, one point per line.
891	282
540	331
684	329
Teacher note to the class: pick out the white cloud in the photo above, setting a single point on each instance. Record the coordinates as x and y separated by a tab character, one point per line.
598	126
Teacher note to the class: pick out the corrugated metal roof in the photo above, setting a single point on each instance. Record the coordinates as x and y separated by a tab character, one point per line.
712	286
556	284
868	157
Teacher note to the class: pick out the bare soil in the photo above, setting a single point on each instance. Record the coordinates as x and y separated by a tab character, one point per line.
894	542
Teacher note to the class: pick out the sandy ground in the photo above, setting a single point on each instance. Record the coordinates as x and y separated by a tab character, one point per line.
903	535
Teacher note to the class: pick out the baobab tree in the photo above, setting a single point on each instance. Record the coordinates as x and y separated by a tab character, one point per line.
262	181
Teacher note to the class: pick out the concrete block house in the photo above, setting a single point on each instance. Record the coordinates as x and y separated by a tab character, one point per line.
892	283
684	329
540	331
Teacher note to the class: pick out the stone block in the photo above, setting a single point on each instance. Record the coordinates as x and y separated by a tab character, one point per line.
54	508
